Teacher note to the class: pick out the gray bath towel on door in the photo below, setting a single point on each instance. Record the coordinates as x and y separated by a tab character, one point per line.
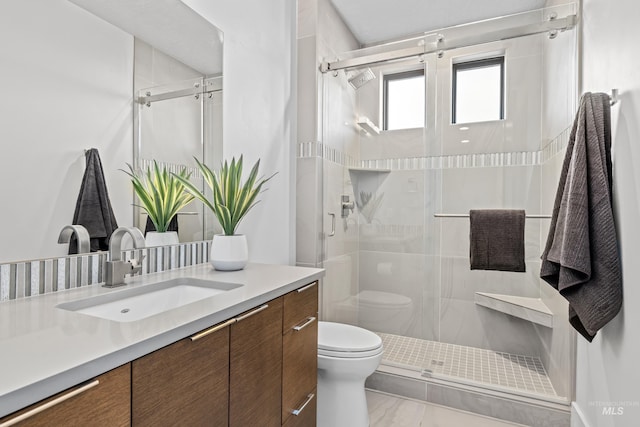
93	208
496	240
581	258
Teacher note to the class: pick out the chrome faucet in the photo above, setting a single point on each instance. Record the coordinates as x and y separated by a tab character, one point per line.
82	236
117	269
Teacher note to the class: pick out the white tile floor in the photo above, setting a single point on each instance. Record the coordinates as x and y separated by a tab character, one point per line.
523	373
391	411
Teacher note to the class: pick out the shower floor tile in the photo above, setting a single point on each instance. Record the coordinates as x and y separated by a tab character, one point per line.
522	373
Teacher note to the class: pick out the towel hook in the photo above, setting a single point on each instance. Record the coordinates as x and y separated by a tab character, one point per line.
613	98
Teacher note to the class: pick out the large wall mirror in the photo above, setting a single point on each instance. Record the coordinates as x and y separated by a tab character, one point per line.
138	80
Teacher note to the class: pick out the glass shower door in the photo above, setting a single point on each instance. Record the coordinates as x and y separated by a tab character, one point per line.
339	151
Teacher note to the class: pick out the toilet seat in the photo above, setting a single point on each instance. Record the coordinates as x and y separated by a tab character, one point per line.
347	341
379	299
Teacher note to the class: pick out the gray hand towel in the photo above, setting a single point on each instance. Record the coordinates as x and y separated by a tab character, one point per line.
581	258
496	240
93	208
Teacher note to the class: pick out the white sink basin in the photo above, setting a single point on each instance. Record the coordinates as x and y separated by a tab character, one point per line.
144	301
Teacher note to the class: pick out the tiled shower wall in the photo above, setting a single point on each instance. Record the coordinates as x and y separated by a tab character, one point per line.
30	278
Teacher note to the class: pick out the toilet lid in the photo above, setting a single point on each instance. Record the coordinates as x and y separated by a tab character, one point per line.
385	299
342	338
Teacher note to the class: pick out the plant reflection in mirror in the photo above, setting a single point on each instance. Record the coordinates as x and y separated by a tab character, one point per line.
368	203
161	193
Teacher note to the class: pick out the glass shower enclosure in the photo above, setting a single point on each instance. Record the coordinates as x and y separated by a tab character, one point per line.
389	206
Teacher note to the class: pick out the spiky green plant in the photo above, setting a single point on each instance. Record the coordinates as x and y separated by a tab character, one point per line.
231	198
162	195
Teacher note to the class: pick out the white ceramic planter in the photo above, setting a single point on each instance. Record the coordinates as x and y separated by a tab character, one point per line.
154	238
229	253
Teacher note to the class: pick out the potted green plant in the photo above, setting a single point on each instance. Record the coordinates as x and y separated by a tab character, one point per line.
161	194
231	199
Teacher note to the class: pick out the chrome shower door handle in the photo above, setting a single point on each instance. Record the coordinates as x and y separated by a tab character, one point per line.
333	224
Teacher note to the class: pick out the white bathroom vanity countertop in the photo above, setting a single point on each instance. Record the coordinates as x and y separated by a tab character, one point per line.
45	349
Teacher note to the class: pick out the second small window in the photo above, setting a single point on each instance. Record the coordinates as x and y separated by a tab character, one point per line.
478	91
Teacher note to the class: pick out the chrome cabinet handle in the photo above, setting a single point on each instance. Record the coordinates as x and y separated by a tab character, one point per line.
212	329
304	288
309	321
251	313
333	224
297	412
50	404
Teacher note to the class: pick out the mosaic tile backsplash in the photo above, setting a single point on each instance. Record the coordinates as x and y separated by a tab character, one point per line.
28	278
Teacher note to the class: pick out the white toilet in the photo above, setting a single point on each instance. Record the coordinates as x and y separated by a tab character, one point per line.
377	311
347	355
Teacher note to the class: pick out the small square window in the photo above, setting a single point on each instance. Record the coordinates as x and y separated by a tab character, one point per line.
404	95
478	91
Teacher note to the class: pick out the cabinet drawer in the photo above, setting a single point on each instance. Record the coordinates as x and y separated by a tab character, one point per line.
105	401
185	383
307	416
299	366
300	304
256	367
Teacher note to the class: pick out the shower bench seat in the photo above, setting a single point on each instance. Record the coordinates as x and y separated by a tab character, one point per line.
531	309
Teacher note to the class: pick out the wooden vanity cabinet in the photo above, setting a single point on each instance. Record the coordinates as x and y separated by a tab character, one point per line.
256	369
255	382
185	383
299	356
103	401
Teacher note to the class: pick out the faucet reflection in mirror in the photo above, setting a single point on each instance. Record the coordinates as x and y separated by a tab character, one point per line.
80	234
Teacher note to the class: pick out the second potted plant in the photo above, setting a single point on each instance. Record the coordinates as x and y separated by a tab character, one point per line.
230	201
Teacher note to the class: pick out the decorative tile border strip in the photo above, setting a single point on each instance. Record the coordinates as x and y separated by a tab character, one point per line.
145	164
318	149
29	278
555	146
457	161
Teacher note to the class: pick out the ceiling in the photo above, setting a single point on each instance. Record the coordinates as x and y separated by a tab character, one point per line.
168	25
375	21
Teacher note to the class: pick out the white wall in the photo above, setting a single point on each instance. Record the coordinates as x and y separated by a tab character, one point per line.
65	85
607	368
259	111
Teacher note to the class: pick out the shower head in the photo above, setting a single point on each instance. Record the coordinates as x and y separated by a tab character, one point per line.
362	78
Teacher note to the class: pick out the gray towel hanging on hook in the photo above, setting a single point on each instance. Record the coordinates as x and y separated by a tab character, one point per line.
93	208
581	258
